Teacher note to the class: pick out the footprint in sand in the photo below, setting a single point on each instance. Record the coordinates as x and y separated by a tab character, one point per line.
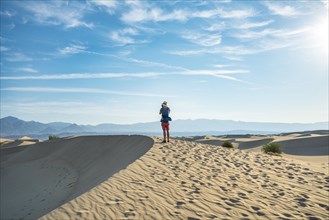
255	208
254	176
192	218
324	206
242	195
301	201
179	204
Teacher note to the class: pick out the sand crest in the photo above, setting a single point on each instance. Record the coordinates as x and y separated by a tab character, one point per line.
190	180
46	175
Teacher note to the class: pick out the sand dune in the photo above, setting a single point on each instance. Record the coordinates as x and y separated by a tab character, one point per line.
5	141
306	146
136	177
253	142
190	180
13	146
48	174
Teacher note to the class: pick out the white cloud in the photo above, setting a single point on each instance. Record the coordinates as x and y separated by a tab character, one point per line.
247	25
84	76
153	14
152	63
80	90
233	58
225	50
247	34
222	65
7	13
212	72
235	53
187	52
17	57
142	12
72	49
115	36
231	78
281	9
237	14
27	69
124	36
206	40
109	6
3	49
216	26
274	33
57	13
204	13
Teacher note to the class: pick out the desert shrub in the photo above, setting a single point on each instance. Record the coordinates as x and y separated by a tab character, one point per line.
52	137
227	144
272	148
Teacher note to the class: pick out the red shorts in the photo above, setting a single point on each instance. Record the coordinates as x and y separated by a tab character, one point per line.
165	126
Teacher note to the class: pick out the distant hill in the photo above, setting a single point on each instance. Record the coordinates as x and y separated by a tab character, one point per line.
14	127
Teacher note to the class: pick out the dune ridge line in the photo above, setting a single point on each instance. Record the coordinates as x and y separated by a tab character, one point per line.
46	175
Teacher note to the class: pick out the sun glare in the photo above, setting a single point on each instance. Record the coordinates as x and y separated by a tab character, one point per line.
319	34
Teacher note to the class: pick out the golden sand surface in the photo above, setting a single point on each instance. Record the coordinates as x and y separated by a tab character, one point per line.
191	180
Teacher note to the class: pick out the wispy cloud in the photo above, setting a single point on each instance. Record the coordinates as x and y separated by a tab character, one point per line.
213	72
225	50
143	12
216	26
248	25
57	13
222	65
3	49
80	90
223	13
124	36
235	53
206	40
72	49
7	13
233	58
152	63
154	14
281	9
17	57
108	6
247	34
258	41
273	33
237	14
27	69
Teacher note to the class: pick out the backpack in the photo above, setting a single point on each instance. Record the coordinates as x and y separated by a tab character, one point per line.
165	115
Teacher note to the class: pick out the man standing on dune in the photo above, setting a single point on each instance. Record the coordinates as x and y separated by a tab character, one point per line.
164	111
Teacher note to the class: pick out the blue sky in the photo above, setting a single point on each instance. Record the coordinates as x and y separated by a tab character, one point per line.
92	62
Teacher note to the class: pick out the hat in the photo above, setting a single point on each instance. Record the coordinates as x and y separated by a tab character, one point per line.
164	102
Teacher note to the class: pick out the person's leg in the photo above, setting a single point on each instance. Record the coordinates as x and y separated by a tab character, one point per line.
167	128
164	131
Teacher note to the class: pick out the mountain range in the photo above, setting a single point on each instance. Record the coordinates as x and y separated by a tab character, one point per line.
12	127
